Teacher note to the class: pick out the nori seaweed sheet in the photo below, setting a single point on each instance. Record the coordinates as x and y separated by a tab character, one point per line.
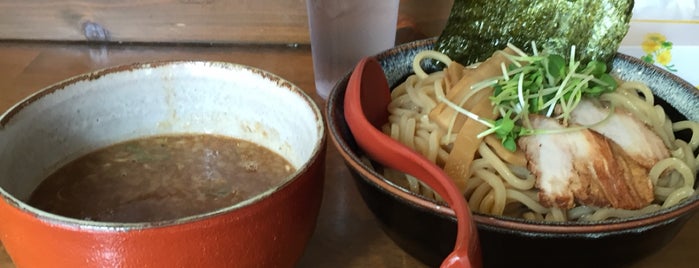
477	28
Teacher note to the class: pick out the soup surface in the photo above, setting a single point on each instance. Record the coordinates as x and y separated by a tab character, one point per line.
160	178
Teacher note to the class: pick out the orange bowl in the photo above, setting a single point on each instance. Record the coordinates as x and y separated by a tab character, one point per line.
94	110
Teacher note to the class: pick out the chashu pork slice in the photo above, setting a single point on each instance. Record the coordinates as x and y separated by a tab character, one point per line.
584	167
550	158
632	135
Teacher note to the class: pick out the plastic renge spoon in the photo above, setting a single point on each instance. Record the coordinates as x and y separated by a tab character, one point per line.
366	101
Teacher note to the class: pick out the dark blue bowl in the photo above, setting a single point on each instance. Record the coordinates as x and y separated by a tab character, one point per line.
428	233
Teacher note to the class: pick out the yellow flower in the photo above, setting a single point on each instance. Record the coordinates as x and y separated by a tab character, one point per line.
657	50
650	46
664	57
652	42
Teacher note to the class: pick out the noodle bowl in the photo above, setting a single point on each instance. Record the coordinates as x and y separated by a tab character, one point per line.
496	187
425	228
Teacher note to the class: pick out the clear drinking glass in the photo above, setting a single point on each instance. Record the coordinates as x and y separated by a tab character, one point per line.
344	31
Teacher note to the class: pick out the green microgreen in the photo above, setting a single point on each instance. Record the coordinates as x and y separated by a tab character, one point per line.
544	84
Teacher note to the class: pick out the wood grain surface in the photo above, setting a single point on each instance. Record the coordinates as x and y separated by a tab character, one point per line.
180	21
242	21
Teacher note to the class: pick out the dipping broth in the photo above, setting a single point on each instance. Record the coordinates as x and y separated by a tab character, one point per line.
160	178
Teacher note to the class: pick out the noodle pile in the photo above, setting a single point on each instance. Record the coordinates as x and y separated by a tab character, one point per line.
499	186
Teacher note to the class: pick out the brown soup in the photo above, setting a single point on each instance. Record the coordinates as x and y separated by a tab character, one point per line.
160	178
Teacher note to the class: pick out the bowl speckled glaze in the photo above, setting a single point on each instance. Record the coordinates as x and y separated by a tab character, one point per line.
426	231
93	110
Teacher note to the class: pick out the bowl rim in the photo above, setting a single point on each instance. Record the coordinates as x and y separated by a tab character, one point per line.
316	153
367	173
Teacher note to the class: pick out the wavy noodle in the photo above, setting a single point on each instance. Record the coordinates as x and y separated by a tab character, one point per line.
428	54
556	214
497	188
477	196
471	186
670	164
677	196
682	125
526	200
503	170
580	212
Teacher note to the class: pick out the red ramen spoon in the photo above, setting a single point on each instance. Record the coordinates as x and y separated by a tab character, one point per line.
366	102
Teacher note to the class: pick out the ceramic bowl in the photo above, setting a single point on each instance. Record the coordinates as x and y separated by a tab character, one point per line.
425	230
81	114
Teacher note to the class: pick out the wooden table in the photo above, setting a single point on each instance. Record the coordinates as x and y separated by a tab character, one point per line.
347	234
